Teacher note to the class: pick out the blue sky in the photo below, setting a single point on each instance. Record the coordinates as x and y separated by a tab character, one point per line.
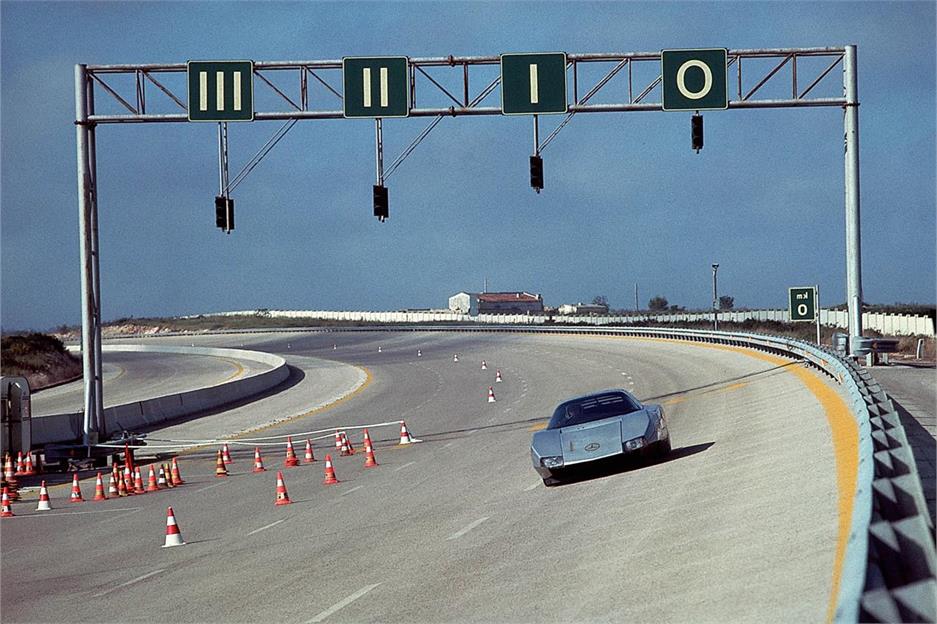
626	200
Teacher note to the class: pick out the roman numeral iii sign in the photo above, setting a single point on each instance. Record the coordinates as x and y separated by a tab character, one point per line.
376	86
221	90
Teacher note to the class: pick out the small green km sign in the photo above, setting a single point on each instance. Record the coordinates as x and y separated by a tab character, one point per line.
802	303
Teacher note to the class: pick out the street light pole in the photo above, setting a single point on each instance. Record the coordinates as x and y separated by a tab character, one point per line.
715	300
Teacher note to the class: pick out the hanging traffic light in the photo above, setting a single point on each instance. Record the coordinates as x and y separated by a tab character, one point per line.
224	213
536	173
381	204
697	132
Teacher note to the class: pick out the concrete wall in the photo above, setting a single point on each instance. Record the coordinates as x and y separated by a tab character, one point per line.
888	324
134	416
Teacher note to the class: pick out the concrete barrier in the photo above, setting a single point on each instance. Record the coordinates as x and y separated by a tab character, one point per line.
57	428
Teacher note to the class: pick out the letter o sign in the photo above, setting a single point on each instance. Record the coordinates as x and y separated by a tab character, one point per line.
694	79
802	309
707	79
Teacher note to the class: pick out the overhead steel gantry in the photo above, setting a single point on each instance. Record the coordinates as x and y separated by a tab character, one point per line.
315	92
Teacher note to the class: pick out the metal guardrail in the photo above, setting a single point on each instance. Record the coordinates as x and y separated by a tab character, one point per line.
889	568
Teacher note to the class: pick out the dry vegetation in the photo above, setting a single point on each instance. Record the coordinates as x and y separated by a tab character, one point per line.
41	359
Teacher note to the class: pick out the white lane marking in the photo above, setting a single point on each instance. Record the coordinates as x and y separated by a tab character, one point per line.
399	468
78	513
209	487
269	526
533	486
507	409
448	444
459	534
347	492
344	603
131	582
471	432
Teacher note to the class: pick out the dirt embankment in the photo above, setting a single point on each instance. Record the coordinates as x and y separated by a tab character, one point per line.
41	359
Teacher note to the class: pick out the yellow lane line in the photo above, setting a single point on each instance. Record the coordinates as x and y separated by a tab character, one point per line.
238	370
312	412
537	427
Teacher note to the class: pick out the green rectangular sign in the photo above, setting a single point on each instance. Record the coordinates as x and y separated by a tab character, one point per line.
533	84
802	303
694	80
221	90
376	86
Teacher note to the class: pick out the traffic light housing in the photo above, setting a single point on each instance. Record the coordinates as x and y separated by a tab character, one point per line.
696	127
224	213
536	173
381	205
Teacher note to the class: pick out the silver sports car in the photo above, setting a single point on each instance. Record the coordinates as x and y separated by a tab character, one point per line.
601	425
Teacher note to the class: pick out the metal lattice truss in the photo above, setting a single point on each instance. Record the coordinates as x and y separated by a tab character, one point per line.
448	87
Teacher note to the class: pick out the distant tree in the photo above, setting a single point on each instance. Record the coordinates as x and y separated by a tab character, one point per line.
677	308
657	303
601	300
726	302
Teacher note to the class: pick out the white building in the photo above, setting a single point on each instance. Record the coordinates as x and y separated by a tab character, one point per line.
464	303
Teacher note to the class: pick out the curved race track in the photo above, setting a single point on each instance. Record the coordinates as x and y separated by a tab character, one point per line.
132	376
740	524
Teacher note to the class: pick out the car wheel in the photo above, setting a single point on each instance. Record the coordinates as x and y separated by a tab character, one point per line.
663	448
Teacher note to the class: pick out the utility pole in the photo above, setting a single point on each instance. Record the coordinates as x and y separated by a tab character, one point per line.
715	300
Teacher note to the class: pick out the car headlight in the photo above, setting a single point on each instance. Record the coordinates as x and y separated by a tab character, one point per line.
633	445
552	462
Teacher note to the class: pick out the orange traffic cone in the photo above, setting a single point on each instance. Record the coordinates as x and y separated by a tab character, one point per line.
419	353
346	451
12	489
175	474
161	480
308	458
484	365
138	481
128	456
282	497
30	470
75	496
6	510
167	476
330	477
220	469
128	481
291	460
491	394
338	440
99	494
115	472
370	461
455	357
404	434
44	504
151	485
258	461
226	454
20	465
173	535
498	376
351	447
112	490
121	488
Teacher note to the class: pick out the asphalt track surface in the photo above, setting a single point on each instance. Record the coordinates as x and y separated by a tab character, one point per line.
130	377
739	524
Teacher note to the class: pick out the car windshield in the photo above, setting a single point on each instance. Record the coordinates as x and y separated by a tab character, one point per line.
591	408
